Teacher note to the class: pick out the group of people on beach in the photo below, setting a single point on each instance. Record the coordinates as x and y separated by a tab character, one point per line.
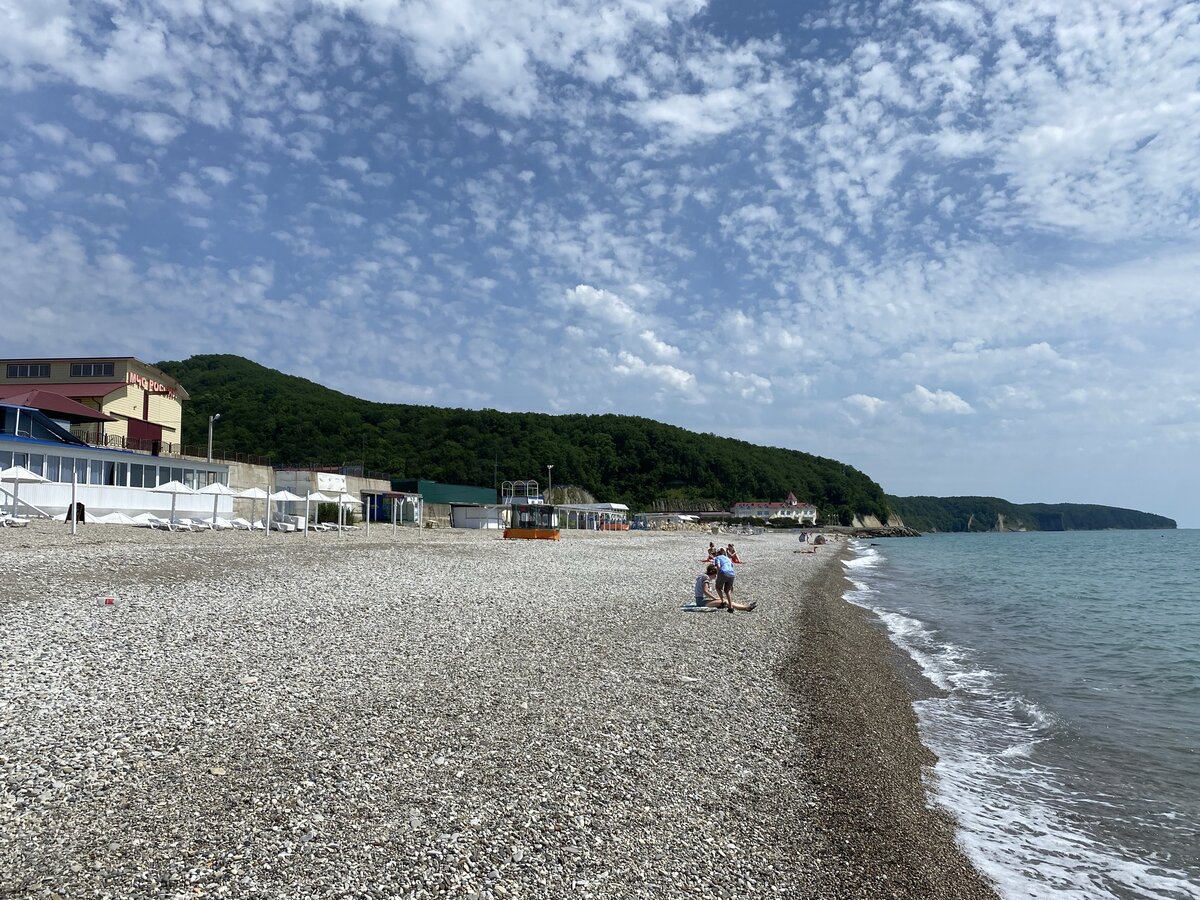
719	567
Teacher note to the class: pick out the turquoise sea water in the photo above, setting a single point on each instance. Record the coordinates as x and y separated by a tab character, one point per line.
1068	721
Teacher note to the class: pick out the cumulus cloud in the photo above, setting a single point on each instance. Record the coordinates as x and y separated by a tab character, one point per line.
603	305
672	377
157	127
865	403
926	401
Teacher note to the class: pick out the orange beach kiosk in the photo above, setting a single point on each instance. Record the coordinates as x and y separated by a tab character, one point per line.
529	516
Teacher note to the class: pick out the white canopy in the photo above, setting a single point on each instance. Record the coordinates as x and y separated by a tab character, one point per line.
348	500
308	500
218	490
286	496
20	475
174	488
253	493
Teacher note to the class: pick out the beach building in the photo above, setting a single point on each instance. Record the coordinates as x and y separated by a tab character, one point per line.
379	502
141	406
437	497
472	515
106	479
594	516
788	508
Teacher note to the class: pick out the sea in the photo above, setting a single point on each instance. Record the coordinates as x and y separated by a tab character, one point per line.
1066	700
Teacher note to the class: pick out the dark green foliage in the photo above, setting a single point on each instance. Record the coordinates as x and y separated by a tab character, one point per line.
621	459
987	514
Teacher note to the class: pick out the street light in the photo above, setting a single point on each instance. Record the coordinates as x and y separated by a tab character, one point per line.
211	419
549	479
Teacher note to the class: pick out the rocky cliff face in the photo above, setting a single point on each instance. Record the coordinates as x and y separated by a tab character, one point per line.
873	522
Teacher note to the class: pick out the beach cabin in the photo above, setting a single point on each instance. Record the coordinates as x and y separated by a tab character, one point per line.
472	515
529	516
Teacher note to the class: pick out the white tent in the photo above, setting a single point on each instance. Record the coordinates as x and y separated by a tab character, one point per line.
174	488
20	475
218	490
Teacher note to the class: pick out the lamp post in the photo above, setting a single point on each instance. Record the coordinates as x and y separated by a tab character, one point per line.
549	479
211	419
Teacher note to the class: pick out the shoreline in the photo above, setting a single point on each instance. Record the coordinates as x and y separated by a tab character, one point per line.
447	714
866	763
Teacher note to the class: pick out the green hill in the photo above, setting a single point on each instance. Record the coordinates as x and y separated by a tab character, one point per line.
994	514
617	458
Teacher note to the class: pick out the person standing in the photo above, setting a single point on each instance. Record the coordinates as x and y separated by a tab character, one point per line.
725	574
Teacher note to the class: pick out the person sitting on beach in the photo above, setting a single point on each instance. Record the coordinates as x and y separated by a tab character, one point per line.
732	554
712	550
705	597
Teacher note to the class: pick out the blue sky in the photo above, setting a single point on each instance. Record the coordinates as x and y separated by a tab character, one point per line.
953	243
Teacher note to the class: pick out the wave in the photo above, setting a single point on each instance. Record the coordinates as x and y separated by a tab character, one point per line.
1018	819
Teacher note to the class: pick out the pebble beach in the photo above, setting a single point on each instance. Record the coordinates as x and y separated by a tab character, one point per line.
448	714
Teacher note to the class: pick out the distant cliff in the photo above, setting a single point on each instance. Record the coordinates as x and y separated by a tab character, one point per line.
994	514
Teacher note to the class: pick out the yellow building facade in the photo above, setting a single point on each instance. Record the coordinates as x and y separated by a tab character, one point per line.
145	404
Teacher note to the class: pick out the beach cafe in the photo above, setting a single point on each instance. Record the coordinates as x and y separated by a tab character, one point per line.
104	480
594	516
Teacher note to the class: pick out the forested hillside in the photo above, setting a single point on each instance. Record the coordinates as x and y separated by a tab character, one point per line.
617	458
994	514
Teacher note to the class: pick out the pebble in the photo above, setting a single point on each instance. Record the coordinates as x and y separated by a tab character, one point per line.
437	714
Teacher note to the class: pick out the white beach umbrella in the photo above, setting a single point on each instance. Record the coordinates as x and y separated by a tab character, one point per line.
320	498
218	490
286	496
343	501
253	494
20	475
174	488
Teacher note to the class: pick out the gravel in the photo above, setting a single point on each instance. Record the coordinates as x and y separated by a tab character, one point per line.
437	714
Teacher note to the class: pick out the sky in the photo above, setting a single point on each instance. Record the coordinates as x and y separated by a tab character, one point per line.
953	243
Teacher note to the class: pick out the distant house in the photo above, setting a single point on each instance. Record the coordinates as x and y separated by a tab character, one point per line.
789	508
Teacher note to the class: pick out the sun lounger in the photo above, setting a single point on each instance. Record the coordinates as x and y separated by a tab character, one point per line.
13	521
241	524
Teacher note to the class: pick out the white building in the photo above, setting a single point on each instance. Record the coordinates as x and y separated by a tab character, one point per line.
789	508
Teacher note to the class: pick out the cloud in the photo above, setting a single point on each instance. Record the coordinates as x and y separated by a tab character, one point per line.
603	305
671	377
217	174
157	127
927	401
865	403
39	184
